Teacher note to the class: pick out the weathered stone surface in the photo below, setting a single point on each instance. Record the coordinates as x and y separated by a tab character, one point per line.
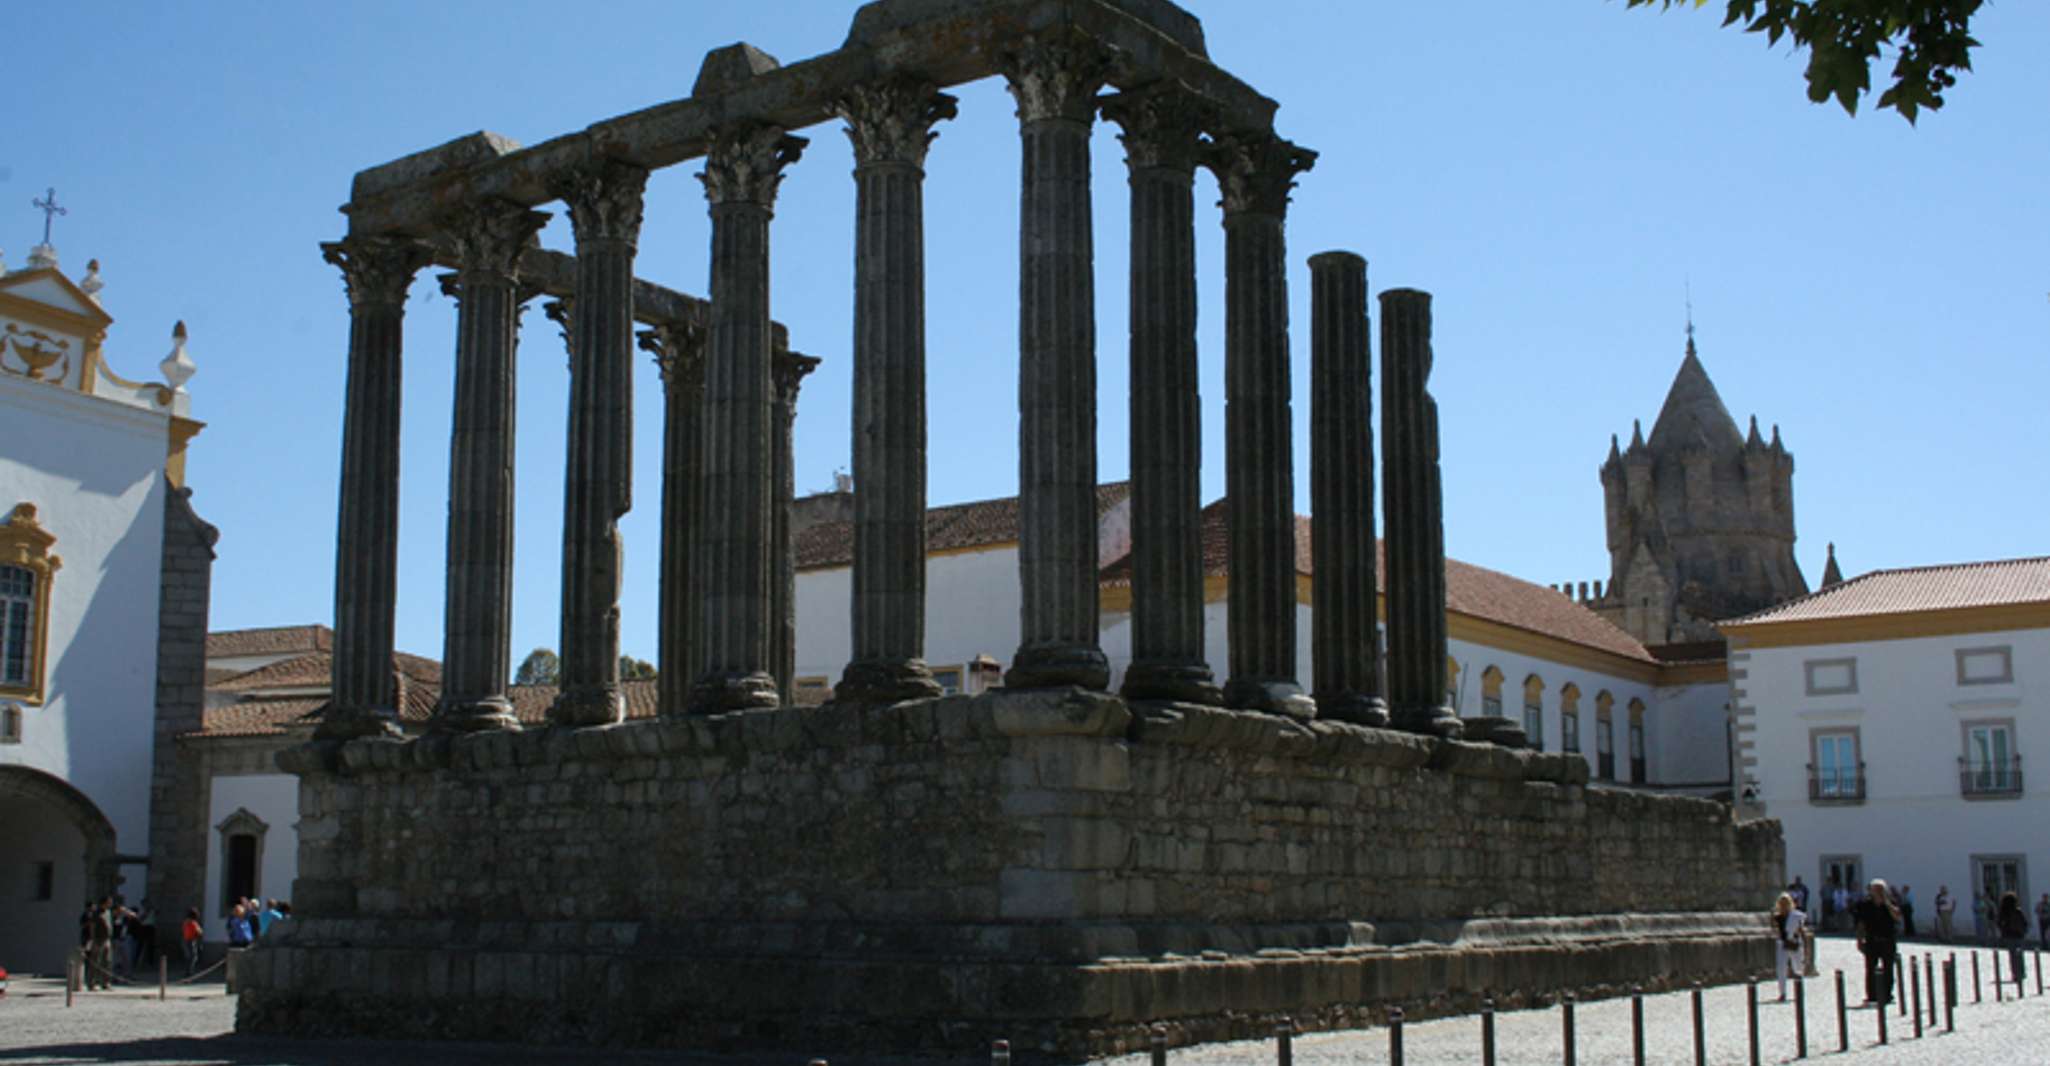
1344	639
1414	507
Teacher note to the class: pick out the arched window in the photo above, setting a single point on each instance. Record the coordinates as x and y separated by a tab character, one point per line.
1534	711
1637	775
1491	691
1605	736
242	836
26	567
1569	717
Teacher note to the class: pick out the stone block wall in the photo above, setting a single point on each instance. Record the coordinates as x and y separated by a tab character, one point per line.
177	819
1045	866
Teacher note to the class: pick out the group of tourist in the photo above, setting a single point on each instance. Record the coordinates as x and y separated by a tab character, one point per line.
116	940
250	920
1884	917
1837	906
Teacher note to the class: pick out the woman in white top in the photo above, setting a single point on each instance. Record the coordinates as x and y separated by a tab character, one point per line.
1787	924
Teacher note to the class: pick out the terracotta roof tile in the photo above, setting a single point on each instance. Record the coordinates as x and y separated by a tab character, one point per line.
1953	586
269	641
315	669
261	717
531	702
980	523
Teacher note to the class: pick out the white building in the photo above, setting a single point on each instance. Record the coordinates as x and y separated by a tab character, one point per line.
1888	722
98	549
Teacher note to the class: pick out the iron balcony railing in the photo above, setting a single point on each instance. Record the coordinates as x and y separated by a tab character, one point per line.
1978	777
1832	784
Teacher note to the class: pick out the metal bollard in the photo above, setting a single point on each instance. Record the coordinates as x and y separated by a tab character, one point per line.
1566	1023
1915	994
1000	1053
1843	1019
1284	1051
1700	1034
1159	1042
2039	971
1637	1026
1751	1016
1395	1036
163	979
1929	982
1881	1013
1950	993
1978	995
1800	1018
70	976
1488	1032
1899	989
1998	995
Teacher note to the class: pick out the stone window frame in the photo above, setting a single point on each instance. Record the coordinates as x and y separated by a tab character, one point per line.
1534	711
960	672
1853	859
1605	735
2006	653
241	823
25	544
1965	728
2020	859
1857	735
1569	718
1809	666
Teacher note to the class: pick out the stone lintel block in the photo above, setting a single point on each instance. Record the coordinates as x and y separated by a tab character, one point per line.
1056	712
1081	763
459	154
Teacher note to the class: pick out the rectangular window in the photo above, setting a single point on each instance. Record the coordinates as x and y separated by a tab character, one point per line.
1569	732
1831	677
240	879
1836	774
1534	725
46	881
1985	666
1997	875
1491	705
949	678
1636	753
1605	749
1989	766
17	612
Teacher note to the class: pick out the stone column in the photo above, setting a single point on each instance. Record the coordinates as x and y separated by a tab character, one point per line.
679	350
790	370
361	700
1414	507
1163	127
1255	171
1344	647
605	208
891	126
1054	78
477	619
734	568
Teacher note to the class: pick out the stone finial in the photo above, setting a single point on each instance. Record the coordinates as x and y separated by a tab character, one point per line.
1832	576
42	257
1255	171
1615	452
1055	75
92	283
745	165
178	367
1751	439
1636	434
892	121
731	67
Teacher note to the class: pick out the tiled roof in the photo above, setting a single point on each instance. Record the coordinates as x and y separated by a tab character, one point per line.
271	640
315	669
1470	590
952	527
531	702
1999	583
261	717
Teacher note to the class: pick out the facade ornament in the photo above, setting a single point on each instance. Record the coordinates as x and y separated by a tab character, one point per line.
891	121
562	312
178	367
1163	125
377	270
745	165
1255	171
604	198
1055	75
92	283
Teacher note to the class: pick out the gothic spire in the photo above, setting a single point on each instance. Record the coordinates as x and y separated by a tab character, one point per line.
1831	575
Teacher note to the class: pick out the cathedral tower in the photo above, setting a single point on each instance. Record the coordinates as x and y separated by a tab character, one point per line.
1700	518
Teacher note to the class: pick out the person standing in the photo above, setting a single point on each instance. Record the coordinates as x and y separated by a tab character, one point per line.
1843	907
2043	920
239	933
1982	917
192	935
1788	921
2014	930
1946	906
1907	912
99	951
1877	922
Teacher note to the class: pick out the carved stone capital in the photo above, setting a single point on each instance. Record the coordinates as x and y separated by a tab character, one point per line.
1163	126
377	270
1255	171
891	121
679	351
604	198
790	369
745	165
1056	75
487	238
562	312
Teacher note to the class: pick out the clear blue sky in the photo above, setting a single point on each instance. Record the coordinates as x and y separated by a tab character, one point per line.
1555	173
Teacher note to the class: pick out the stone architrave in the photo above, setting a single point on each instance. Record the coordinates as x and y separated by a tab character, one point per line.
1344	643
1054	78
362	700
1414	508
604	200
487	240
890	124
679	350
1163	128
790	370
734	569
1255	171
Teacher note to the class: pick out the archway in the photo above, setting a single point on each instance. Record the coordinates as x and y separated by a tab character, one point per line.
58	849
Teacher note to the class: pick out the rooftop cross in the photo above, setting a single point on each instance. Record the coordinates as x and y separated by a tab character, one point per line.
48	206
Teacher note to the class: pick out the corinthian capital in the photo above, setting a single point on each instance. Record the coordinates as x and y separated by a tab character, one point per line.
487	237
377	270
562	312
790	369
745	165
604	198
1056	75
1163	125
891	121
1255	171
679	351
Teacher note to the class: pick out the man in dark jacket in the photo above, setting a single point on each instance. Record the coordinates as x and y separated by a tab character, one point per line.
1878	925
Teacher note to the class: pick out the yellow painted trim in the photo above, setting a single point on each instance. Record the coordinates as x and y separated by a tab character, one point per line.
15	305
1903	625
163	391
25	543
182	432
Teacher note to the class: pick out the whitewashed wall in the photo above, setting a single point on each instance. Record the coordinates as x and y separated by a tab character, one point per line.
274	800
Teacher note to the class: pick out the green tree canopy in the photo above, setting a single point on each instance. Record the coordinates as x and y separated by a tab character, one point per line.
632	669
540	667
1931	41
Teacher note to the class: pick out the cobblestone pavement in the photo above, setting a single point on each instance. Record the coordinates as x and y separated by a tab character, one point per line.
195	1028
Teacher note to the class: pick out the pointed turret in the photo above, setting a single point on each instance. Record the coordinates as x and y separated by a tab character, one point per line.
1636	435
1751	438
1694	412
1615	453
1831	575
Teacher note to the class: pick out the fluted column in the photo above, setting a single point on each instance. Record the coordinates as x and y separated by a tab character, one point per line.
891	127
789	371
734	568
679	350
377	271
1255	171
1163	127
1414	507
605	208
1344	650
476	658
1054	78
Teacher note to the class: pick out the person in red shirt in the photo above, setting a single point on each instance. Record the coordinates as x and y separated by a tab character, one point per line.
193	935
